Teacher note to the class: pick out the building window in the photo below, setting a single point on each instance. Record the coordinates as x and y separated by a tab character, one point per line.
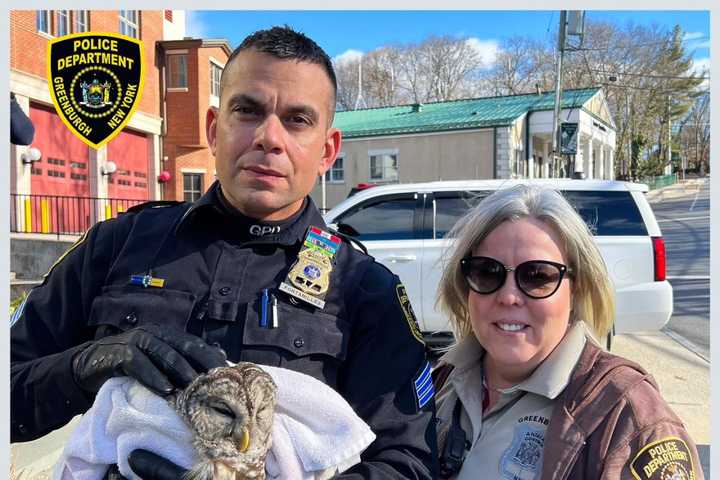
192	186
63	22
80	21
129	21
384	166
215	72
336	174
177	71
43	21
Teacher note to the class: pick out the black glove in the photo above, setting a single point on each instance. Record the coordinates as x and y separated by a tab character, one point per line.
149	466
162	359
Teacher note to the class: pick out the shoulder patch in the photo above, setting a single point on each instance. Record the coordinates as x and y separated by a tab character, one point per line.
154	204
408	312
666	459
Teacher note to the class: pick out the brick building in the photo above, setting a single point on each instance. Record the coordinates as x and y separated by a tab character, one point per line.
192	76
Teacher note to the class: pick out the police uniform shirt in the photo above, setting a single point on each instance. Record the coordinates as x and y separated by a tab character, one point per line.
209	271
507	443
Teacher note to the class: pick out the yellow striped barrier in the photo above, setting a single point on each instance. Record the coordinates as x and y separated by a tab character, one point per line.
44	216
28	215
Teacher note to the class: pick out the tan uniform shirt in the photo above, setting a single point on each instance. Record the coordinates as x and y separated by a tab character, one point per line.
508	442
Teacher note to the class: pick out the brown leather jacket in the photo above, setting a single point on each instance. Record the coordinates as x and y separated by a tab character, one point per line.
611	417
610	421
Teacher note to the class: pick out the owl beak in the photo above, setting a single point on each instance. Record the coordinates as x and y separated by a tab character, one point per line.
244	440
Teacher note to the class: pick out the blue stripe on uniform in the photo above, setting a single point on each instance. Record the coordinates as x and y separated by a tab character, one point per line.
18	311
424	389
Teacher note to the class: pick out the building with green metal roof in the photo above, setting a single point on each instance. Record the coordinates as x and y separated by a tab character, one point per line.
490	137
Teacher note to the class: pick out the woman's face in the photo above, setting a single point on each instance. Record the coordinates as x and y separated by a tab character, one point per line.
519	332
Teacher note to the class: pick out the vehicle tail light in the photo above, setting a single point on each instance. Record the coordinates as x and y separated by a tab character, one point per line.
659	255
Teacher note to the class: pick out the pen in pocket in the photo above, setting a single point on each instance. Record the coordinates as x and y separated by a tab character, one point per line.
274	304
264	308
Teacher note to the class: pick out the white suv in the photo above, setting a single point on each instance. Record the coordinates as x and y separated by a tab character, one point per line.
403	226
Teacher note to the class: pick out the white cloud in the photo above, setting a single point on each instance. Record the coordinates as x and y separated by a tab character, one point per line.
487	49
348	56
194	26
701	66
693	36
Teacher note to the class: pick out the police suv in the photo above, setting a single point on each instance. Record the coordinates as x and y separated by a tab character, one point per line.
404	226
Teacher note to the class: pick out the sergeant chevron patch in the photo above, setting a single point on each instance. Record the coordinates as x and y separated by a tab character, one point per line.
423	387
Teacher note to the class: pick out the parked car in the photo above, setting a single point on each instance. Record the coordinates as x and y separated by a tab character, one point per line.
404	226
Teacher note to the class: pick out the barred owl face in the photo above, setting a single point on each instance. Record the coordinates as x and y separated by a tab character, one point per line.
230	411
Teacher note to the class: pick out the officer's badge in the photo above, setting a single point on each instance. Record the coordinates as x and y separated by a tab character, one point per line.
95	82
667	459
523	459
309	277
408	312
311	272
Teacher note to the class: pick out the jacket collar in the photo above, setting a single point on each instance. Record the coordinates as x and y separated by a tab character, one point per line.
210	203
549	378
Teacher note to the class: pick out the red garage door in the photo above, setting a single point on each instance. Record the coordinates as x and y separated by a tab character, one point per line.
131	153
59	178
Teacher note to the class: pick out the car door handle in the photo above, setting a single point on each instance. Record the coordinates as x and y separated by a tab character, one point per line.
400	258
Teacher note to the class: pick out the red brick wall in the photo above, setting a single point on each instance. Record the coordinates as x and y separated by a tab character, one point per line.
186	142
28	48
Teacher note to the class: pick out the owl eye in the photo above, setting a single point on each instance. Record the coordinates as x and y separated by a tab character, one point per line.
222	408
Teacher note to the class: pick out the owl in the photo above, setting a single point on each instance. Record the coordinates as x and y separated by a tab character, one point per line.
230	412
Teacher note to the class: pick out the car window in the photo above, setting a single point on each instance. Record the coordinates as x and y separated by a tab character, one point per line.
604	212
607	213
380	219
449	208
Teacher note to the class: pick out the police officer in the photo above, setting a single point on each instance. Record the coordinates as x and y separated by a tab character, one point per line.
249	272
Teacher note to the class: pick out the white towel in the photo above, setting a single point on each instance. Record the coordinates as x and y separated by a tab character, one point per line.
315	431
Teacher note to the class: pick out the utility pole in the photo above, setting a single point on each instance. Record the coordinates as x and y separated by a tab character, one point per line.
669	139
558	89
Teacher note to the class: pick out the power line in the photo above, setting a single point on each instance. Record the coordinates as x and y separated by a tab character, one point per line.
635	87
649	44
647	75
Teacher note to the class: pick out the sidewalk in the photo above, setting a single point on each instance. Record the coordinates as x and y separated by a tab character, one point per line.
683	378
676	190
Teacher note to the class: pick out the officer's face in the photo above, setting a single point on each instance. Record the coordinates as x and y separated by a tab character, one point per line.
271	136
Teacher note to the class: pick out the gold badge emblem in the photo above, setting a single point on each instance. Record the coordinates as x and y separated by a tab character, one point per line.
95	82
311	273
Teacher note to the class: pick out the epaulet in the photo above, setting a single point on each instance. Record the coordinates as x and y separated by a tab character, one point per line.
350	240
153	204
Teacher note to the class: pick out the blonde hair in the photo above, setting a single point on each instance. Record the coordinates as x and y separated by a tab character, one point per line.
593	297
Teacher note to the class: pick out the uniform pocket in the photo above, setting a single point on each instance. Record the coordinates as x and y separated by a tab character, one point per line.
122	307
298	332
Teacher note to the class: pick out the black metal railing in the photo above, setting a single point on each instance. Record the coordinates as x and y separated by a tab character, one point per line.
62	215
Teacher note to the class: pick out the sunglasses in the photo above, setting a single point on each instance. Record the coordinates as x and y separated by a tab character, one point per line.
535	278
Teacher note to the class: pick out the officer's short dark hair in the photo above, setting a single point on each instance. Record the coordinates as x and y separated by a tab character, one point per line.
286	44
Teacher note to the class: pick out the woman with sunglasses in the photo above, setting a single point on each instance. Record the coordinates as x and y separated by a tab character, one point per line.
526	392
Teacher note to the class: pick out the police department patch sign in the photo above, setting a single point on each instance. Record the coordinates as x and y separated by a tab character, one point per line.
667	459
95	82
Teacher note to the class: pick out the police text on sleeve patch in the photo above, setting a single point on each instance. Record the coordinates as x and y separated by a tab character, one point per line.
423	386
408	312
666	459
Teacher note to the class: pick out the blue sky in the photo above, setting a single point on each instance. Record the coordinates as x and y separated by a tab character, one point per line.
346	32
